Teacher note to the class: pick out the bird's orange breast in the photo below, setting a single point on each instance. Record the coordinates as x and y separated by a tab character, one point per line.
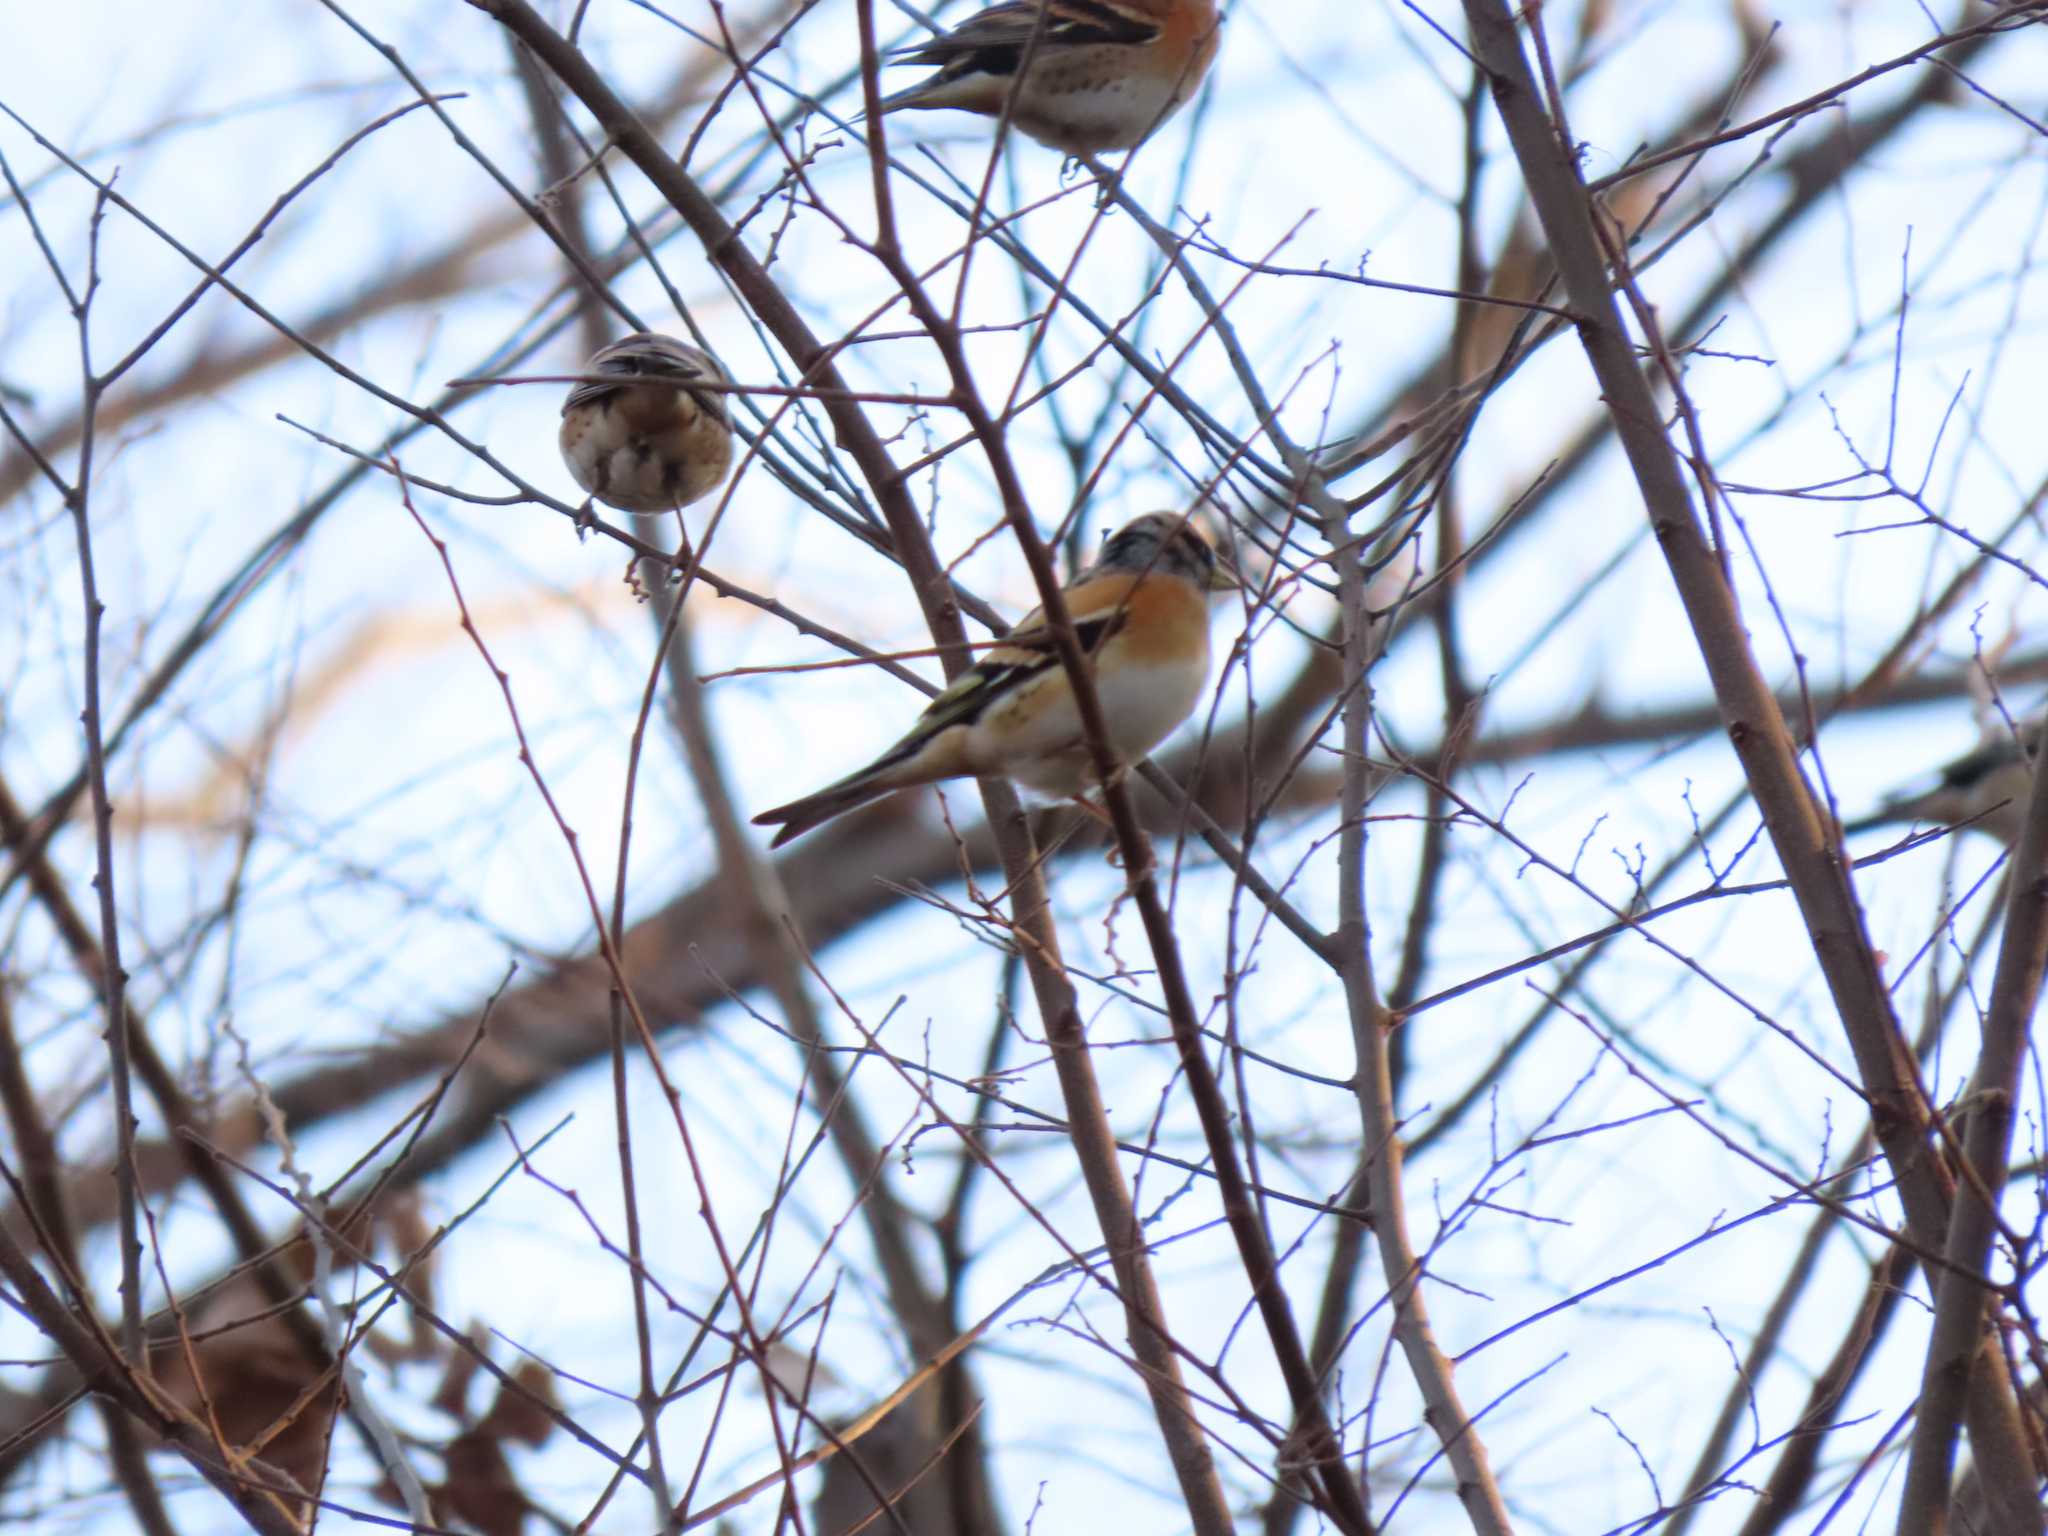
1164	617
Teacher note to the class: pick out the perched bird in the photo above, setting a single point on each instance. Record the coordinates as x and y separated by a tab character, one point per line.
640	439
1986	787
1142	615
1103	73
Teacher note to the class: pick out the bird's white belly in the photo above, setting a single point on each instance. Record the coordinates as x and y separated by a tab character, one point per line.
1107	111
1144	703
1045	750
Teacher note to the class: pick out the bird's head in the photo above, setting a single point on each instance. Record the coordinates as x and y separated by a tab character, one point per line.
1171	542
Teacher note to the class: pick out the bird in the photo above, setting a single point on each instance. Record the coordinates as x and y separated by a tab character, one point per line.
637	436
1141	613
1102	75
1986	788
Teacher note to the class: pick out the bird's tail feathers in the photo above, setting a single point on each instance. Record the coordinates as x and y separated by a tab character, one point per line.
940	90
799	816
892	772
920	95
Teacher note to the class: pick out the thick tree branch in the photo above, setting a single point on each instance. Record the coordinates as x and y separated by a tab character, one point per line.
1963	1339
1807	843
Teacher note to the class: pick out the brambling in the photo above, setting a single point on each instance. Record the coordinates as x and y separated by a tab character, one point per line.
1141	613
649	442
1103	75
1986	787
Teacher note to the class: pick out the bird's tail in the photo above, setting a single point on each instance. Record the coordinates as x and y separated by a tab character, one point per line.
924	756
890	103
941	90
799	816
895	101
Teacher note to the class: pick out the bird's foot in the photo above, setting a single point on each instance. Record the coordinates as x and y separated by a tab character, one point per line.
1109	180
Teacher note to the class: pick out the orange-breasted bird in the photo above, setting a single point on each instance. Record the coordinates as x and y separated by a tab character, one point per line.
640	438
1141	613
1102	75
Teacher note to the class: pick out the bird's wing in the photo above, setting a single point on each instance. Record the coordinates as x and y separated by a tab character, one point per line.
635	361
993	41
1026	652
1098	608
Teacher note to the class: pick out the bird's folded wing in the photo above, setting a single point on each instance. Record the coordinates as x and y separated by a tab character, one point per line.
1008	27
639	362
1025	653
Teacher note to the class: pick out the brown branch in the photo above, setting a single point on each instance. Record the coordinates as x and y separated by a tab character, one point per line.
262	1498
1785	1489
1058	1005
764	909
1790	1478
2010	16
447	269
1962	1339
160	1166
843	877
1809	175
1347	952
1804	837
43	1194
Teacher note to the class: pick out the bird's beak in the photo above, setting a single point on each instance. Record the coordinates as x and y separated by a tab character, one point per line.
1223	577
